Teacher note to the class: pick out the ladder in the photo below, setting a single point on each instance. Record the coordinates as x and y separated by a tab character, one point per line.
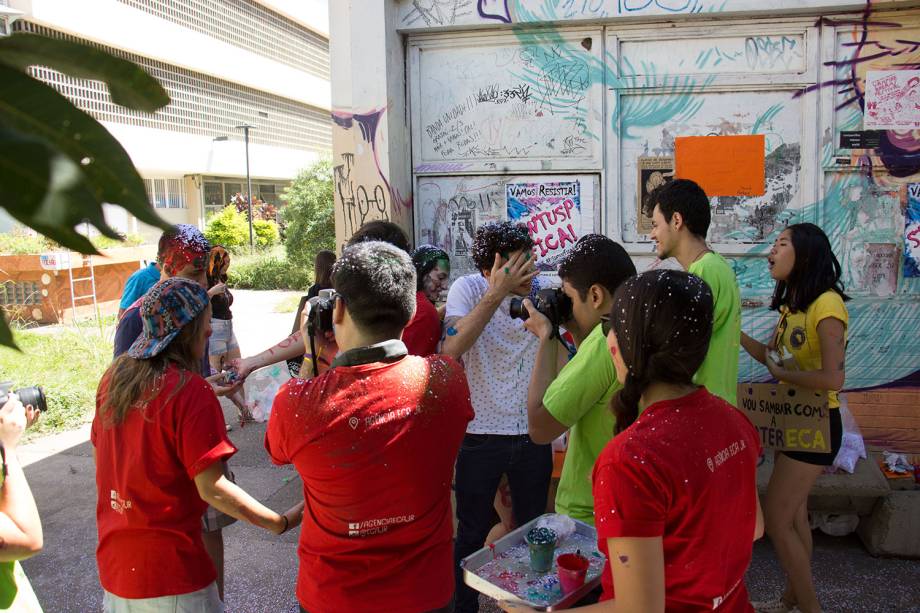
87	263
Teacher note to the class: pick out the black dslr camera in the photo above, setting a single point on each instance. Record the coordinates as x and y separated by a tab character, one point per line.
552	302
320	317
27	396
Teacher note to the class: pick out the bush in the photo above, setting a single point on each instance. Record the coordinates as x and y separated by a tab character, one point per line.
266	233
268	271
308	215
228	228
19	242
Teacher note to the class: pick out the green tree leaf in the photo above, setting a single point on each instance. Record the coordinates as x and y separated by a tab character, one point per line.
45	190
128	84
6	335
30	107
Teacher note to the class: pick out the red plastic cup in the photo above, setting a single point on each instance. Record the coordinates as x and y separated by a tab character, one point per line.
572	569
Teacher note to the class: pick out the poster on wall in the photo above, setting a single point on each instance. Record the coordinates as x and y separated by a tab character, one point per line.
653	173
555	213
881	269
912	232
723	165
892	100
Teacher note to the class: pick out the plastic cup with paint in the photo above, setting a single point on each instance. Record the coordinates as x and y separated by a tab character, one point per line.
572	569
542	544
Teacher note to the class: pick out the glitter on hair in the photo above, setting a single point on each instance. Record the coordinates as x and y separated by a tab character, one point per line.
183	245
499	237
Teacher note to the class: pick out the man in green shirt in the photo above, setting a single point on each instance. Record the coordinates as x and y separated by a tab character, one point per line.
578	399
680	221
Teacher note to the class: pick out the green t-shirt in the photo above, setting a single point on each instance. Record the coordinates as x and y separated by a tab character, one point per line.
15	590
580	399
719	372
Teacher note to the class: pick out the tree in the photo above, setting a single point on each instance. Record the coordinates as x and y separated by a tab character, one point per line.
58	165
309	217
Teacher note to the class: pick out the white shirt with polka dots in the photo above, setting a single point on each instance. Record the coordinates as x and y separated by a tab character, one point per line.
499	363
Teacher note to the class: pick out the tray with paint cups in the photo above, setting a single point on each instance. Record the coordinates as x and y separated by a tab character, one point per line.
505	571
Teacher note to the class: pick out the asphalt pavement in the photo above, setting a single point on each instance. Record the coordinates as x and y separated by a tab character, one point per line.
261	568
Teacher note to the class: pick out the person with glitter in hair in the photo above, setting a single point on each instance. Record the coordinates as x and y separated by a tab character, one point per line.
432	267
158	443
675	491
498	355
680	221
183	252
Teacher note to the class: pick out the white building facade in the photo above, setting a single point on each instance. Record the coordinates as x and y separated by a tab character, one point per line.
224	64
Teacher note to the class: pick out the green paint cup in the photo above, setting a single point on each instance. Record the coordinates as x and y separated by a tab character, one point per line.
542	544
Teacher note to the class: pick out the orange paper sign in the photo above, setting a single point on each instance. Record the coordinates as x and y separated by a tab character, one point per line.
722	165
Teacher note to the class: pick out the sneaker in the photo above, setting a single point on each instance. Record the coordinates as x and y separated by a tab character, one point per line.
777	605
229	427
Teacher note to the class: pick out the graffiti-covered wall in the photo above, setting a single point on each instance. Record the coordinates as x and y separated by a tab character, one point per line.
566	113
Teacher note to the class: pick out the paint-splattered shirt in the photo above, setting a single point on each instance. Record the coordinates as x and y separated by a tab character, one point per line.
684	471
499	363
375	446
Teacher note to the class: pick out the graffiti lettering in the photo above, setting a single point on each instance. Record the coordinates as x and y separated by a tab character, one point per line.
497	95
770	51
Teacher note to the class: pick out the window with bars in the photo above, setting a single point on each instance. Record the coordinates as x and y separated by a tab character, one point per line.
217	193
200	104
248	25
13	293
165	193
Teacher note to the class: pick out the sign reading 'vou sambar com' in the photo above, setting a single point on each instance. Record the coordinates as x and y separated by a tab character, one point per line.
787	418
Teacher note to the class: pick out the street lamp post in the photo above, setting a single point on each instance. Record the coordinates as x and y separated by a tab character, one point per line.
245	128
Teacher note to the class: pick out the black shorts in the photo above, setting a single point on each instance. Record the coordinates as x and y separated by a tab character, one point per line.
823	459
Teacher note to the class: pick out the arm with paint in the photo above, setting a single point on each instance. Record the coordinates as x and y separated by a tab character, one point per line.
461	332
288	349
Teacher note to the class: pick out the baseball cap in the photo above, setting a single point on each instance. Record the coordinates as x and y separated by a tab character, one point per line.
168	307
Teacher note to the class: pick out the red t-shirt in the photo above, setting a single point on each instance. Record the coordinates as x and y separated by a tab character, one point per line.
148	511
684	471
375	447
422	334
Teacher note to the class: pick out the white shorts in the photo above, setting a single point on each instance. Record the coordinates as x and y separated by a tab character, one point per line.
222	340
206	600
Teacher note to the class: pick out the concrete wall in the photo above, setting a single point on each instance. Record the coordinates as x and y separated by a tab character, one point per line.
624	78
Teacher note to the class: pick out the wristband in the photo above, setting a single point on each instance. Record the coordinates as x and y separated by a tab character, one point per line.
284	517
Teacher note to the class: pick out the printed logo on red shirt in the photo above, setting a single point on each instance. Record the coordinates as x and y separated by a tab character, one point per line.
377	526
119	505
729	452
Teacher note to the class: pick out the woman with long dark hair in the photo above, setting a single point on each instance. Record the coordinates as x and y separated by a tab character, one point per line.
158	440
322	272
807	349
675	495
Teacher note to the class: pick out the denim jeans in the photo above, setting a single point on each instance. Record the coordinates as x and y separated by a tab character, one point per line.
482	461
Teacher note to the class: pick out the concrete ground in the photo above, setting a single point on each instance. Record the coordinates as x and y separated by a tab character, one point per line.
261	568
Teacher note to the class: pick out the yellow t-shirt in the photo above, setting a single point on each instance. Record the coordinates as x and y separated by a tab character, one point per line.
798	333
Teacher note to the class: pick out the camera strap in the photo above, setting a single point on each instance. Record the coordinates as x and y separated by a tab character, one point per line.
388	351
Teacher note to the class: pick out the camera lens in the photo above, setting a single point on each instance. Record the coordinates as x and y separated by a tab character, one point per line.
33	396
517	310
